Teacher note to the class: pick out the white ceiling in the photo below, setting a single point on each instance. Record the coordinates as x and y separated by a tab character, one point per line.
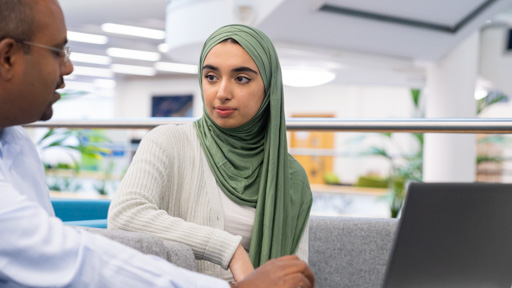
425	11
363	41
417	29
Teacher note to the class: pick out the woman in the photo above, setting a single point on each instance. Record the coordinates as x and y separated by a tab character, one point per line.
225	184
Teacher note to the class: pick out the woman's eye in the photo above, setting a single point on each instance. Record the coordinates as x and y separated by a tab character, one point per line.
210	77
242	79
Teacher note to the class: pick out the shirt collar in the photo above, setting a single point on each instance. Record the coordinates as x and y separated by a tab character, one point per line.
9	149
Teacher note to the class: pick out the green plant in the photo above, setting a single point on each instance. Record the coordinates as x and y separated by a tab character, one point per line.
83	141
371	181
63	184
331	178
86	142
405	167
492	98
102	188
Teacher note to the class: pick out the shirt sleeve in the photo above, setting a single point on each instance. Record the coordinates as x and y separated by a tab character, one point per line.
302	250
39	251
145	200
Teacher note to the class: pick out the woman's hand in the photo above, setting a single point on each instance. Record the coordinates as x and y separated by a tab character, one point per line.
240	264
286	271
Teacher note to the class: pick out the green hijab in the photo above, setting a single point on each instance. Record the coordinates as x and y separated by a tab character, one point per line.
251	163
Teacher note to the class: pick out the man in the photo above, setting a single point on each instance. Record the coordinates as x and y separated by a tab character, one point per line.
36	249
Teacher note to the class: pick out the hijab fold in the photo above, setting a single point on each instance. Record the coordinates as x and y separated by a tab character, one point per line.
251	163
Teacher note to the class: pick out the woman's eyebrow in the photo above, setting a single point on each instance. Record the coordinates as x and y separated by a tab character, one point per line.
244	69
210	67
238	69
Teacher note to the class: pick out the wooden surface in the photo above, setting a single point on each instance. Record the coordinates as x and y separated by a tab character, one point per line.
347	189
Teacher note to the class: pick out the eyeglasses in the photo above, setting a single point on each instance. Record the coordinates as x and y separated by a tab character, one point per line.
64	52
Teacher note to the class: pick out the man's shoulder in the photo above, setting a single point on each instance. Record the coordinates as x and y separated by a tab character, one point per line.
13	134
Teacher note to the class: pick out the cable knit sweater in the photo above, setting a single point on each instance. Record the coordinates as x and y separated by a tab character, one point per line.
169	191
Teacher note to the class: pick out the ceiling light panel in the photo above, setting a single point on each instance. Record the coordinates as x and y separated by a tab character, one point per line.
133	70
90	58
91	71
133	54
133	31
87	38
176	67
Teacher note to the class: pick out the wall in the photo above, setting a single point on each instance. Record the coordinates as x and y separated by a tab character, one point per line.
133	95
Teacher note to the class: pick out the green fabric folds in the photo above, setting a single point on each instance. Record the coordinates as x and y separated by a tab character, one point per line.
251	163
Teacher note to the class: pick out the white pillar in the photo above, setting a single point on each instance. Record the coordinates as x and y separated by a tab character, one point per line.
450	94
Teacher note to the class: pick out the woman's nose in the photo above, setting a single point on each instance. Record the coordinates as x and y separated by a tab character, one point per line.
224	92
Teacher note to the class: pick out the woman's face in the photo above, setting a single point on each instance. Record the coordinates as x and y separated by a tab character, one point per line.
232	86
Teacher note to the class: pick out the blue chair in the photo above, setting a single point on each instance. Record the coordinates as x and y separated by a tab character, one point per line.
82	212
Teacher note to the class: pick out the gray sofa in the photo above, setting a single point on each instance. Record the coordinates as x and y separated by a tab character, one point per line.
343	252
176	253
350	252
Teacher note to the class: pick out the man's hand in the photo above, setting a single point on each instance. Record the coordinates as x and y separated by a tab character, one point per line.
286	271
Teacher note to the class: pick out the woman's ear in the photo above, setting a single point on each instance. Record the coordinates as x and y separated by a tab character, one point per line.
7	51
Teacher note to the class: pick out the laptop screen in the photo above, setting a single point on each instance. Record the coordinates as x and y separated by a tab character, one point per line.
453	235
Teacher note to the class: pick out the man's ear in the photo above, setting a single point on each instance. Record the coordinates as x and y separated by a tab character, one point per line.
7	51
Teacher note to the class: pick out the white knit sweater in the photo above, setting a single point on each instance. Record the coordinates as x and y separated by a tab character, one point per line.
169	191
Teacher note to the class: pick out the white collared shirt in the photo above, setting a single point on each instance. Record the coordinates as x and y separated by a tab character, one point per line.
21	167
37	250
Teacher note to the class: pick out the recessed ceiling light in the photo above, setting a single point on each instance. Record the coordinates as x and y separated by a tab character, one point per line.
306	77
87	38
90	58
91	71
133	31
134	70
176	67
133	54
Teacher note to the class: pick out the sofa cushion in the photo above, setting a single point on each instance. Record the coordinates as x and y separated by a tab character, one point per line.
176	253
350	252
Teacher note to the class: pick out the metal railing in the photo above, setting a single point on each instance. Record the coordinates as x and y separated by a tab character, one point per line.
437	125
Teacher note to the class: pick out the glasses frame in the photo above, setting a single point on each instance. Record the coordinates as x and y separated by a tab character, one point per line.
64	52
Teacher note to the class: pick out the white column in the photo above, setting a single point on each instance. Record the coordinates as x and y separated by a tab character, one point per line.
450	94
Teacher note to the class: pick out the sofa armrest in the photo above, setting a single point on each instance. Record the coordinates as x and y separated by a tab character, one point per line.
350	252
175	253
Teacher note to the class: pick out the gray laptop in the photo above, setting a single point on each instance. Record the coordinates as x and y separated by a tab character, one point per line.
453	235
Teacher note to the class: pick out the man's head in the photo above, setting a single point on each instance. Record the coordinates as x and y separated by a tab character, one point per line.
32	61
